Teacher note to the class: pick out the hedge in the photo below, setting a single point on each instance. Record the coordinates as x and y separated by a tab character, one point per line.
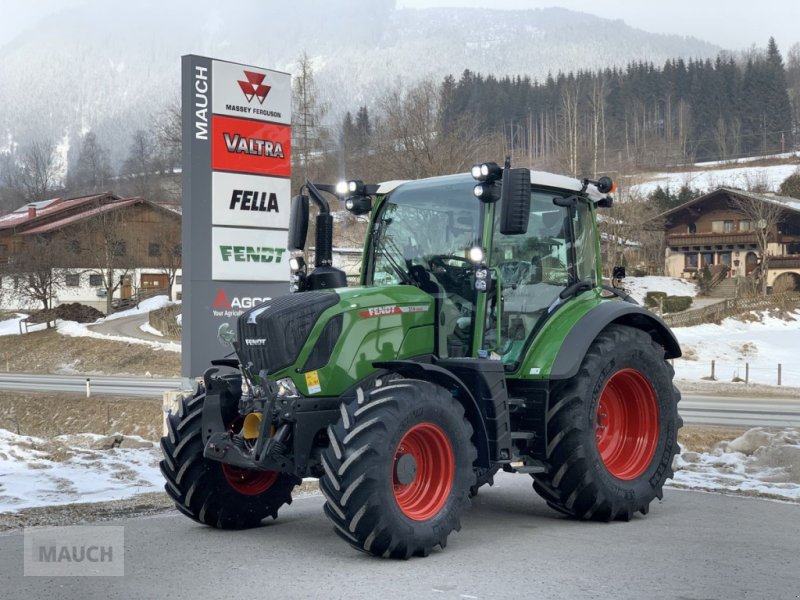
676	303
651	298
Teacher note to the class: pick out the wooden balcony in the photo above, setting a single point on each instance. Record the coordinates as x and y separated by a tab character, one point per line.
784	262
714	240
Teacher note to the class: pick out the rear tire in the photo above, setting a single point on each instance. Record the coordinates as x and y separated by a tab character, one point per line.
208	491
398	470
612	430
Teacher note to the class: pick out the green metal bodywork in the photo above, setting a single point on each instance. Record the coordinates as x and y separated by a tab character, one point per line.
368	336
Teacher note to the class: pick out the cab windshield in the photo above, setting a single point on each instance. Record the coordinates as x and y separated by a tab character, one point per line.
426	226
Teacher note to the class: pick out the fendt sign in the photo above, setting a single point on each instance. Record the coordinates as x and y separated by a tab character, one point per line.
236	197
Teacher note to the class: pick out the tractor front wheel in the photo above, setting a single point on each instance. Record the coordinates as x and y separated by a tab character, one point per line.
612	430
398	470
210	492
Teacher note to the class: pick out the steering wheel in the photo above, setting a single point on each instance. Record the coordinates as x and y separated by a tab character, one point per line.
438	260
514	272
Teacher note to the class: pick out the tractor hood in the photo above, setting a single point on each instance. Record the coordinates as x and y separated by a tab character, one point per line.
335	334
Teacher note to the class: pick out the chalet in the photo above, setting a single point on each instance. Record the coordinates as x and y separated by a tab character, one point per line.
91	241
721	229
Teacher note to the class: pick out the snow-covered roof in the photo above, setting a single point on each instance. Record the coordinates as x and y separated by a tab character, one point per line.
787	202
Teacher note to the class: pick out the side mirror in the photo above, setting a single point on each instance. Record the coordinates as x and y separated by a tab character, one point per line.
515	201
298	223
618	273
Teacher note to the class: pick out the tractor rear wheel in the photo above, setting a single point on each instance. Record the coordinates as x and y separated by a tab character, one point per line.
398	470
210	492
612	430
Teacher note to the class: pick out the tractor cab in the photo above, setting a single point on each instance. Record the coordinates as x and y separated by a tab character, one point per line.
499	250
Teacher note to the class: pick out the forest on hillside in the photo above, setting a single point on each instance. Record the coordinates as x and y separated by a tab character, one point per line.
644	116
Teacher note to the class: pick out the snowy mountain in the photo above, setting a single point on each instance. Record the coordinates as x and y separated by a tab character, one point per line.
110	66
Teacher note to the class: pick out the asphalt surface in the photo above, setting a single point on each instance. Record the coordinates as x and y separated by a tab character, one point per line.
691	545
695	408
740	412
128	327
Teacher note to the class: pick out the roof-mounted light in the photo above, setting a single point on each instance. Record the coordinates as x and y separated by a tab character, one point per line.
488	171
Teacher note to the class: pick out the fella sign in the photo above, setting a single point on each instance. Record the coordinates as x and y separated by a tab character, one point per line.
236	196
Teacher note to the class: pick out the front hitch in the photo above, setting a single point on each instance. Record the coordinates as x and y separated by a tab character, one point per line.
270	452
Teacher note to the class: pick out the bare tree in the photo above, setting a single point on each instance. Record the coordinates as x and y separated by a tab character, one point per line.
141	167
169	134
764	216
168	250
631	232
413	141
105	251
309	136
34	174
93	170
36	268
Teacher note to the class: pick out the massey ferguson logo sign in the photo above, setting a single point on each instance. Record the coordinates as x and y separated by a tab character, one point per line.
254	86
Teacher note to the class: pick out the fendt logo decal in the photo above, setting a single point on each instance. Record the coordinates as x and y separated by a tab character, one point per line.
234	307
391	309
254	86
258	254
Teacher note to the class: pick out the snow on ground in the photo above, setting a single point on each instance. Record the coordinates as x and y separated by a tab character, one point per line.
747	159
762	344
759	462
709	179
145	306
11	326
63	470
147	328
638	287
73	329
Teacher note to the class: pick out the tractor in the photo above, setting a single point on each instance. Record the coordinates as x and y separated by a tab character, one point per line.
481	337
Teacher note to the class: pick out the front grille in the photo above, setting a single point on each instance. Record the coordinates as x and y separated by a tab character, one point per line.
272	334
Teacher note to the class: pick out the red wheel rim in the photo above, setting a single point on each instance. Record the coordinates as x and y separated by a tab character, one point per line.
626	424
248	482
427	493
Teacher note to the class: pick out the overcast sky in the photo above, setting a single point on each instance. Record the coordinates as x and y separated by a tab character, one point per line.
732	24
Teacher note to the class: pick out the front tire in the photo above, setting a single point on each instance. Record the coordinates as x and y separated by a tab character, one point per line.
612	430
210	492
398	470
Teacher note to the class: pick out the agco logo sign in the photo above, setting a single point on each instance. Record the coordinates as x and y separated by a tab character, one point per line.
254	87
224	306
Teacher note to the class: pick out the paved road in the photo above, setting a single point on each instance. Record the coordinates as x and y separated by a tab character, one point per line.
741	412
128	327
691	545
115	386
705	409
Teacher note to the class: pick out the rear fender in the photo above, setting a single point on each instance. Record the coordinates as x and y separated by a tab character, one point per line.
583	333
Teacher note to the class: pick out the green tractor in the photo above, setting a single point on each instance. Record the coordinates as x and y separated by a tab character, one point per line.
480	338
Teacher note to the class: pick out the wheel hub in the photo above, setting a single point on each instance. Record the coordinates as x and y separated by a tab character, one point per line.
405	469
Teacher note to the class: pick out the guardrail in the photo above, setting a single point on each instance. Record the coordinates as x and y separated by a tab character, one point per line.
728	308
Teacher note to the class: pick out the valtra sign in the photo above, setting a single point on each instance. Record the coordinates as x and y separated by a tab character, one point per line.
236	197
